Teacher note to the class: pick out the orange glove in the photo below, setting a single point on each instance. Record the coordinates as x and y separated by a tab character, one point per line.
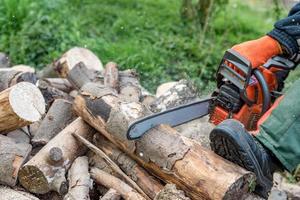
259	51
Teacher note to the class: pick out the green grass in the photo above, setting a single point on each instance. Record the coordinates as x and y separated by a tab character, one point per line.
144	34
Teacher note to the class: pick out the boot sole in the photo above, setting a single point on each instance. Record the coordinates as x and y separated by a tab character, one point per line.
235	148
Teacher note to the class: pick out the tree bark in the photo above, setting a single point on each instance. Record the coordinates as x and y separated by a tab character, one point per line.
179	94
149	184
146	97
111	76
20	105
20	135
60	83
13	155
173	158
111	194
111	164
174	94
10	194
170	192
11	77
79	180
79	75
165	87
130	90
51	93
72	57
110	181
47	72
46	170
57	118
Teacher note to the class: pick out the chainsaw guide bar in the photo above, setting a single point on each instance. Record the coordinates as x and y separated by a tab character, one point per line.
172	117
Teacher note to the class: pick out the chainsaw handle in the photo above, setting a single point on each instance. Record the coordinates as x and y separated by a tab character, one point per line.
266	95
242	81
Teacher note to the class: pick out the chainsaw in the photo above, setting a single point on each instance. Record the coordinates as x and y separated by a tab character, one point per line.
242	93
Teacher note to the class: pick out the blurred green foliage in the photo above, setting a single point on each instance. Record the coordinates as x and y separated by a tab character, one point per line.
147	35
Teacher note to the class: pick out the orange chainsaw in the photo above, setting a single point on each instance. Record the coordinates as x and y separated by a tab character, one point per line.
242	93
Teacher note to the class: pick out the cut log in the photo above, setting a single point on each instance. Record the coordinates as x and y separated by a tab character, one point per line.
149	184
146	97
19	68
170	192
79	180
47	72
110	181
173	158
163	88
130	90
111	164
181	93
111	76
111	194
23	68
198	129
42	173
11	77
74	93
51	93
20	105
13	155
283	188
57	118
20	135
60	83
79	75
10	194
72	57
32	128
4	60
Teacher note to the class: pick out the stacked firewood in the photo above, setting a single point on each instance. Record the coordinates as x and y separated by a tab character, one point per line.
63	136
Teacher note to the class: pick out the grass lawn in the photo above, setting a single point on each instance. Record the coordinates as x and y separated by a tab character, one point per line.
146	35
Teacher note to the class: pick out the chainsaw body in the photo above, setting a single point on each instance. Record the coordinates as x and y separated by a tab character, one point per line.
243	93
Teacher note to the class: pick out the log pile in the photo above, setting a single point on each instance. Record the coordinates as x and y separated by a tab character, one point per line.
63	136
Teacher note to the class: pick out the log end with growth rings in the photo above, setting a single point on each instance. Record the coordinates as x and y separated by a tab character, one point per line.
27	102
30	174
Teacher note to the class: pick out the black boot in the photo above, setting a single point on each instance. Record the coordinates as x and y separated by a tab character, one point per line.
231	141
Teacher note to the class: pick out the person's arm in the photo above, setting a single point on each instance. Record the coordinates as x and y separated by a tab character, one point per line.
287	33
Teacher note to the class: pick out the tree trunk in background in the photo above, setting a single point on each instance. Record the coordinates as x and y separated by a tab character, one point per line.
187	11
203	11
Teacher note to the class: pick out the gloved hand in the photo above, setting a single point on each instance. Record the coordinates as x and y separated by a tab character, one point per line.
259	51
